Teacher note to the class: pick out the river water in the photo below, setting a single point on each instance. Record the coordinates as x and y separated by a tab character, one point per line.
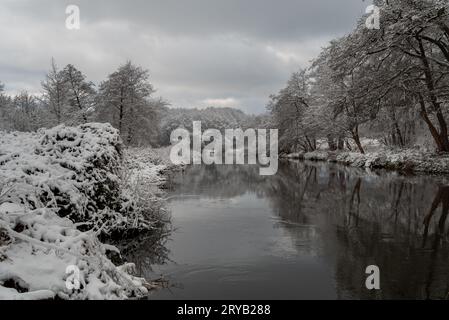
309	232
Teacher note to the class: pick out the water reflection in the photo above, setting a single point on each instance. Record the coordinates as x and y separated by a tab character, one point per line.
320	224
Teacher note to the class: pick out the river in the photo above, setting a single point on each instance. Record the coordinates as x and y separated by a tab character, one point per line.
309	232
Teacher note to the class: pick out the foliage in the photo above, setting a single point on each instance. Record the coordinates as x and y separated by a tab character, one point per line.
389	83
62	190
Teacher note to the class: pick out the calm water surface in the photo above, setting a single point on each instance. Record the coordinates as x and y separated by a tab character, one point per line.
308	232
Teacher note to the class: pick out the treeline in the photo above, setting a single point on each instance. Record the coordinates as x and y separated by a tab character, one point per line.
211	118
125	99
391	84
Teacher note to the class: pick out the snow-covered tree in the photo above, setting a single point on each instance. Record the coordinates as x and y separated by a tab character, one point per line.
124	100
418	32
26	112
56	93
81	94
290	109
376	81
348	85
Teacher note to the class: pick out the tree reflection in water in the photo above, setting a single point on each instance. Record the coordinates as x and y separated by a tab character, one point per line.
379	218
350	218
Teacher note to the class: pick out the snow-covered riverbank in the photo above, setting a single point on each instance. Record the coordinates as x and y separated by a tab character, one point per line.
61	191
401	160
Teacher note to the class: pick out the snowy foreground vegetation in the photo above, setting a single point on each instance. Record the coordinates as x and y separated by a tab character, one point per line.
65	197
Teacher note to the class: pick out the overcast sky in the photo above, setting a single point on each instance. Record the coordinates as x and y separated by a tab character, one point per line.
199	52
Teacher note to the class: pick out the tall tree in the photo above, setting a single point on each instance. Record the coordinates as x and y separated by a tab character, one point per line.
344	83
290	109
419	31
81	93
56	93
124	99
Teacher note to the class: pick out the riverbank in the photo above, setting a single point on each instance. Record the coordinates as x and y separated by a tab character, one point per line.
401	160
66	195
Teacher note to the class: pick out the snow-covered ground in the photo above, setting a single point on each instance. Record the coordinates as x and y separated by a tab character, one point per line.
404	160
61	190
379	156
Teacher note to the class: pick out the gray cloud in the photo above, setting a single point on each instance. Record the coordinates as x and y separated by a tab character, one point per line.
233	52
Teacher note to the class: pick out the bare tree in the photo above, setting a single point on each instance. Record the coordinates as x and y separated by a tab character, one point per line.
124	98
291	109
26	112
81	93
56	93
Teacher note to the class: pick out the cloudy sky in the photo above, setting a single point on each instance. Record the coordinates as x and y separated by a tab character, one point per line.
199	52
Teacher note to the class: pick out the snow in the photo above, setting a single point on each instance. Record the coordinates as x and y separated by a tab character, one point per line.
60	191
407	160
318	155
380	156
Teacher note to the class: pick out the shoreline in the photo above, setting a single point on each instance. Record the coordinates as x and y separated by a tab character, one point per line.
409	161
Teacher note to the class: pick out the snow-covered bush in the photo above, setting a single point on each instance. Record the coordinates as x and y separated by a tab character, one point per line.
351	158
76	171
41	245
73	170
317	155
404	160
142	179
60	190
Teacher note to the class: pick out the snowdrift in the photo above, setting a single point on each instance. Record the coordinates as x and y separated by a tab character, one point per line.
61	190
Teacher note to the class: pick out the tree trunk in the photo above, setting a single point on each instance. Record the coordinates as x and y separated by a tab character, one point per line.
396	130
432	129
348	146
341	144
121	114
78	101
355	136
309	143
399	134
130	135
120	119
331	142
80	107
443	137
